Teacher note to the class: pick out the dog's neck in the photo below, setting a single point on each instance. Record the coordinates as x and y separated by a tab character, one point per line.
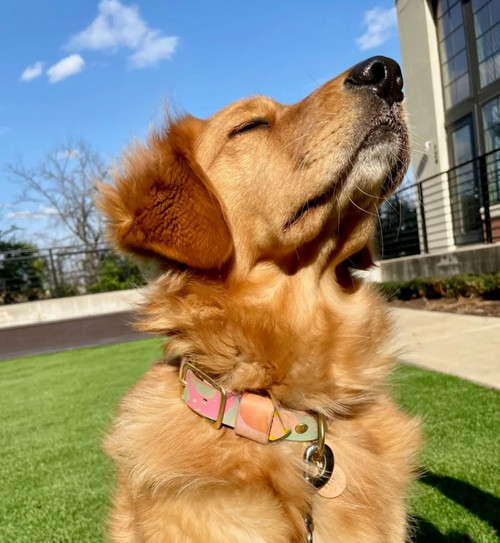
300	337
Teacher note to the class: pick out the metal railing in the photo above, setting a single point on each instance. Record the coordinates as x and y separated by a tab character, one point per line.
32	274
452	208
448	209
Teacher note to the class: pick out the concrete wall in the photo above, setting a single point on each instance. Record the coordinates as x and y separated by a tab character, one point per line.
68	308
422	76
424	101
472	259
478	259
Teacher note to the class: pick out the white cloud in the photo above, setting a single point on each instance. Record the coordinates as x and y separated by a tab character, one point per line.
47	210
32	72
42	213
23	215
380	23
116	26
153	49
64	68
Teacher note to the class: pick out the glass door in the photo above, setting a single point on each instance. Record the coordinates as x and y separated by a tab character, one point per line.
464	186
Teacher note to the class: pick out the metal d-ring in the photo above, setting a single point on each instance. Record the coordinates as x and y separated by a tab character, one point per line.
321	456
324	464
321	434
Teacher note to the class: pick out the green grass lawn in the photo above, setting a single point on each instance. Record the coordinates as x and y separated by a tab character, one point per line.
55	481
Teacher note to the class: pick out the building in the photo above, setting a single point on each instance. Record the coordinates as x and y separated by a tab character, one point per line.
447	218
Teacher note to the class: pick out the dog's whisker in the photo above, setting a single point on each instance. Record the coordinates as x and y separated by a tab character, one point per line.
304	135
360	208
367	193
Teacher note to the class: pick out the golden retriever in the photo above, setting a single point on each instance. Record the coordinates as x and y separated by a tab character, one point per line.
249	225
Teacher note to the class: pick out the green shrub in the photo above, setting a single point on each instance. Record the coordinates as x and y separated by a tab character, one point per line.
65	291
116	273
22	272
491	286
486	286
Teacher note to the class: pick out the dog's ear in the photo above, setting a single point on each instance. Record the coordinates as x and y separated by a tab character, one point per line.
163	202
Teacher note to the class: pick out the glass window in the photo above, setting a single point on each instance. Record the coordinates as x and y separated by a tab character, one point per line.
462	88
487	30
478	4
454	63
495	12
491	121
460	64
495	34
456	17
462	144
484	47
458	39
463	187
482	20
490	114
487	72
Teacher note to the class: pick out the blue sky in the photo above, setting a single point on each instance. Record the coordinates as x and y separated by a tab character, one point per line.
102	70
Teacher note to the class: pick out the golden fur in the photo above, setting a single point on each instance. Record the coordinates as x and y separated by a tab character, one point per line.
250	222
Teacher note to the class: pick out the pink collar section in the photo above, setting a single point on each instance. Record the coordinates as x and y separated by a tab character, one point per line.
251	415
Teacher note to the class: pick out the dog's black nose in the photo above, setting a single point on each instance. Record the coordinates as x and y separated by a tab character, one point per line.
382	75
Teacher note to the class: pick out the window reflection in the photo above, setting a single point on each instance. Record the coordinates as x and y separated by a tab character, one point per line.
491	121
464	188
454	65
487	31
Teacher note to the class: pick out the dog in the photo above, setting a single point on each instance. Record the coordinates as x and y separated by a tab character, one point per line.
269	418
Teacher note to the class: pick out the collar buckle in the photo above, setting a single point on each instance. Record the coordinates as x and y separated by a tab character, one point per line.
187	366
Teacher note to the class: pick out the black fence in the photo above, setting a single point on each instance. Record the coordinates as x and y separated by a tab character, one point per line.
31	274
451	208
458	207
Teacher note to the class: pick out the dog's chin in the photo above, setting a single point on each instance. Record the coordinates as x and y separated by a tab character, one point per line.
379	166
375	168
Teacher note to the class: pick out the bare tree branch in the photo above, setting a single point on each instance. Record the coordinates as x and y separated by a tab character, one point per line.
7	233
65	183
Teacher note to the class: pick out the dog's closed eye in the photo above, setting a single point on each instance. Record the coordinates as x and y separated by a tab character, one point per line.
260	122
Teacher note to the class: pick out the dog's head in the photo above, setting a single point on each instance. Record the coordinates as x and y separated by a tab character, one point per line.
264	181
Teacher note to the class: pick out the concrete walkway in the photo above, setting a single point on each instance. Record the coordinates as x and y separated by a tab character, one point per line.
463	345
50	337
